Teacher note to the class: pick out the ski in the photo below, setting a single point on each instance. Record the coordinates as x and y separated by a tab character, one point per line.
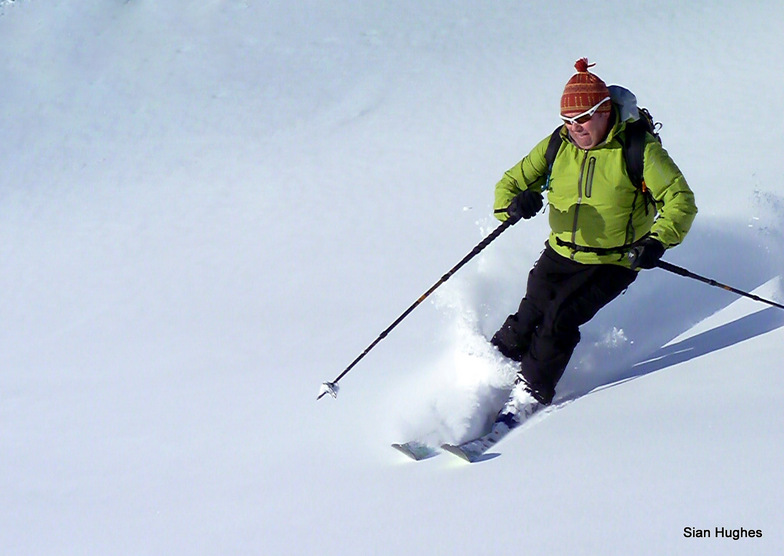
475	449
416	450
508	419
519	407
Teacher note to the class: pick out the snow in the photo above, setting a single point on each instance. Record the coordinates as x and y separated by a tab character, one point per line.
209	208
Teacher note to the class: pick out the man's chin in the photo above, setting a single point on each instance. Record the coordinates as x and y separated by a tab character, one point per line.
584	143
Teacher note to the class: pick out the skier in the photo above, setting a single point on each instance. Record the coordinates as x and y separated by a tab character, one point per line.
603	229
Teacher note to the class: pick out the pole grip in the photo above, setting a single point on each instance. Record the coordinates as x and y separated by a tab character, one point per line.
675	269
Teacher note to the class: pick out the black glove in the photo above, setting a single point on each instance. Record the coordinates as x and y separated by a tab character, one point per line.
524	205
646	254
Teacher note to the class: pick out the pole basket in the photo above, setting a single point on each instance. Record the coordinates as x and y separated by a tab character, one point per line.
328	388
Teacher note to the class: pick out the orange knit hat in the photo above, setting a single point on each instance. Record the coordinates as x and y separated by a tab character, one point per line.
584	90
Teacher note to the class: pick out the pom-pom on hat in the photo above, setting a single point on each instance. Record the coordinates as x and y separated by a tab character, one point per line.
584	90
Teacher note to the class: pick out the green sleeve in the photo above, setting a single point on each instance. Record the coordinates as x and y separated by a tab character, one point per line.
674	199
529	173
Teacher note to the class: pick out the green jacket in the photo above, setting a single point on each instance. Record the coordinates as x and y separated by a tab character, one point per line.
593	203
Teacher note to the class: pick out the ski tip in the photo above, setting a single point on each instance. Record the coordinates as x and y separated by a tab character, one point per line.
415	450
457	451
468	455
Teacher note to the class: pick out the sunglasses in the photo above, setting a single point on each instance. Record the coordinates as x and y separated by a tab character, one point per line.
585	117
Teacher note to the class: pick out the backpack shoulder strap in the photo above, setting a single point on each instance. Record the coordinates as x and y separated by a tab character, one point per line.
634	152
552	147
552	151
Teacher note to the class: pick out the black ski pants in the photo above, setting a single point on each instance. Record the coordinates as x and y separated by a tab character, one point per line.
561	296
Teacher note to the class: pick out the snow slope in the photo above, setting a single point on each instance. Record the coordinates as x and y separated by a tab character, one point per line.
209	208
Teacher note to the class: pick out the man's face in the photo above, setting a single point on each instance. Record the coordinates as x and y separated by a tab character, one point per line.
588	134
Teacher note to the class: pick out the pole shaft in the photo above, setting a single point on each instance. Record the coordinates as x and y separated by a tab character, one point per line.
711	282
476	250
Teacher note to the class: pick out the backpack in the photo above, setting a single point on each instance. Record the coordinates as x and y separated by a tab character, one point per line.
633	150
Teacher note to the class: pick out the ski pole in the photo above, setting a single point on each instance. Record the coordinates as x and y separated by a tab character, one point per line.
332	387
688	274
